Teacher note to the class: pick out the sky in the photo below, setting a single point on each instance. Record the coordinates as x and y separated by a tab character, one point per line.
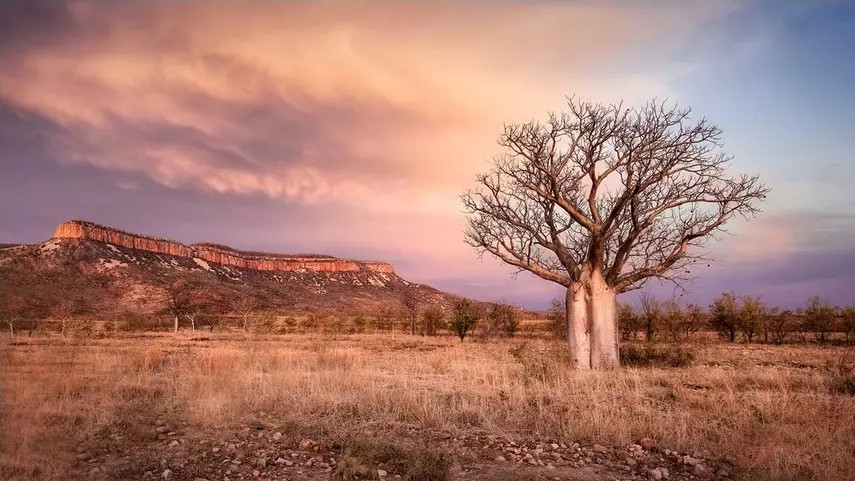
352	129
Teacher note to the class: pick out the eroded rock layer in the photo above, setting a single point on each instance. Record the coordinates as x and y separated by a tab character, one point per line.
216	253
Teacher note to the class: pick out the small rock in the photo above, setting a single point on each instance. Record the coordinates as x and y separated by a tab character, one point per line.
215	450
167	474
280	460
307	445
231	446
701	471
723	473
173	443
261	462
631	462
277	435
382	473
256	473
690	461
647	443
554	446
161	430
500	459
200	479
656	474
600	448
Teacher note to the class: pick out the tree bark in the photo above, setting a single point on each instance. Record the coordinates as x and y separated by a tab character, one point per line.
602	308
176	323
578	335
592	322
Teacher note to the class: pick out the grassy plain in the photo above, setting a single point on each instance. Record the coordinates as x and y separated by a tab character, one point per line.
773	412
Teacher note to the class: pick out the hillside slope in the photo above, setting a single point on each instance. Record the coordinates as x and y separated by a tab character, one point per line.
104	271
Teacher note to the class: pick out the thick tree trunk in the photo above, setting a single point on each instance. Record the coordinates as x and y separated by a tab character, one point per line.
592	323
602	307
578	335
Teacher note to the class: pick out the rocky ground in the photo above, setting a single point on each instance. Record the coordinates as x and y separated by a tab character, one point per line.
261	451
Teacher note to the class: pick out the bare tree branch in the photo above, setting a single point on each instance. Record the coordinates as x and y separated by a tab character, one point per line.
631	192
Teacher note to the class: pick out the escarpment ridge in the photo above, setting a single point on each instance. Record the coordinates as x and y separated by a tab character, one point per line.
215	253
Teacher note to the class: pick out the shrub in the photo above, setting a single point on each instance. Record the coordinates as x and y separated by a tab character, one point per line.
414	463
648	355
463	318
432	318
841	378
557	317
500	320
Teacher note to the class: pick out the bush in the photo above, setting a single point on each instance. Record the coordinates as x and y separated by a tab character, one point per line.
648	355
432	318
463	318
414	463
557	317
841	379
500	320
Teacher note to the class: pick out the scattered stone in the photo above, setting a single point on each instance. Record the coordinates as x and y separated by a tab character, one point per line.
167	474
701	471
600	448
307	445
173	443
647	443
631	462
277	435
256	473
161	430
500	459
723	473
215	450
381	473
655	474
690	461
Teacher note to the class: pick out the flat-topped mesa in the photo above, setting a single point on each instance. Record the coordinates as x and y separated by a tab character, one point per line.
216	253
79	229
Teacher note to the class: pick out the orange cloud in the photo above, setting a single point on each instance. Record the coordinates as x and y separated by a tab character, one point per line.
390	106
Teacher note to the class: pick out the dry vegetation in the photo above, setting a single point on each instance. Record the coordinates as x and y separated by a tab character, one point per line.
774	412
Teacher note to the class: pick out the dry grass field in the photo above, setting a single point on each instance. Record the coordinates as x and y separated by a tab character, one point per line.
229	406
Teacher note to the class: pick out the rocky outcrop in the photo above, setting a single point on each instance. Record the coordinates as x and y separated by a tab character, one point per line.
215	253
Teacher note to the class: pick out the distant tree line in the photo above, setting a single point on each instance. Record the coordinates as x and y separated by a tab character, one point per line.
732	317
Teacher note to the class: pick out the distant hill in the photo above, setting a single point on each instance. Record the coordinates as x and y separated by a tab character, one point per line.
103	271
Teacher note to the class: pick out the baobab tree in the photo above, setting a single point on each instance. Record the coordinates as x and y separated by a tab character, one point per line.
602	198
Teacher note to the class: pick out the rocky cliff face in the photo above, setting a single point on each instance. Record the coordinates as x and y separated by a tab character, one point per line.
215	253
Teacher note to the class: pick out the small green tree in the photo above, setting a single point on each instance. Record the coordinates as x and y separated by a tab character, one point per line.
464	317
500	320
724	315
432	318
694	320
779	324
819	316
752	311
671	319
